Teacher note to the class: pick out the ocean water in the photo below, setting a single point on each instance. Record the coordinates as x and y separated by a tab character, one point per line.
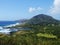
5	23
4	30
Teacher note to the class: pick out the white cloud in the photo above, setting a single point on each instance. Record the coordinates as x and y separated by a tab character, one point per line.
55	9
31	9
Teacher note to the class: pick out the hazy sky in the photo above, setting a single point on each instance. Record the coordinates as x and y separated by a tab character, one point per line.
25	9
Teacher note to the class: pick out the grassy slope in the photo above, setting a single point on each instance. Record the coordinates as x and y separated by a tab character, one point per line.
38	35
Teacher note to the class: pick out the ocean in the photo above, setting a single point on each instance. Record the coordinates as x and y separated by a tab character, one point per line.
5	23
4	30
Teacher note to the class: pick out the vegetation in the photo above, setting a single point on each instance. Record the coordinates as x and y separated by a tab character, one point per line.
40	34
46	35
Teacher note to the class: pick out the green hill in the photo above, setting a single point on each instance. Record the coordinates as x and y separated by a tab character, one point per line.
42	19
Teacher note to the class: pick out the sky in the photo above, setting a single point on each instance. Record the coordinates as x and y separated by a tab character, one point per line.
25	9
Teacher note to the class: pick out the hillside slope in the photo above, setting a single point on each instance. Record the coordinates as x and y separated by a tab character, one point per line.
42	19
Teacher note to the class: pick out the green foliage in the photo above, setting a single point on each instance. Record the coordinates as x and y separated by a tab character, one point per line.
46	35
30	37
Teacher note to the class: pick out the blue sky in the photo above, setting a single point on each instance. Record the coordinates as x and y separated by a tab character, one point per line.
25	9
